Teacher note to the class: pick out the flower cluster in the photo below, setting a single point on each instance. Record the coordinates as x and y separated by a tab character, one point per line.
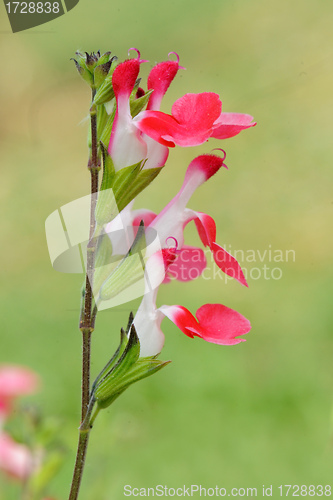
148	135
133	137
216	323
137	136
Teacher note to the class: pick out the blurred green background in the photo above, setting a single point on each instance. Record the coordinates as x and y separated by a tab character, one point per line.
243	416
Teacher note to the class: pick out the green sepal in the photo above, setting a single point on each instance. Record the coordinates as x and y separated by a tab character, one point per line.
102	118
94	67
115	358
123	187
135	88
105	92
83	71
106	134
104	58
115	189
129	368
105	262
91	60
123	183
129	271
137	105
100	73
142	180
106	206
109	171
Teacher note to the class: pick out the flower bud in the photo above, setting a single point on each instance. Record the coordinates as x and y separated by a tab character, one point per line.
124	369
93	68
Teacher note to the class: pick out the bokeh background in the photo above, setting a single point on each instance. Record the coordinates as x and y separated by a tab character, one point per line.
255	414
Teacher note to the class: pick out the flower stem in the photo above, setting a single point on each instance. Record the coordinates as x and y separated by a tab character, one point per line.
79	464
87	318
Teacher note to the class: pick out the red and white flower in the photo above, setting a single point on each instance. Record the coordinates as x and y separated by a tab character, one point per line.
171	221
215	322
194	118
128	145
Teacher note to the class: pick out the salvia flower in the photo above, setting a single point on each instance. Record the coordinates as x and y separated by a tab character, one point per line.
148	135
215	322
127	144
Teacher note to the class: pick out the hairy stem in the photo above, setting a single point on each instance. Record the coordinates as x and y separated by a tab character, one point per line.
87	319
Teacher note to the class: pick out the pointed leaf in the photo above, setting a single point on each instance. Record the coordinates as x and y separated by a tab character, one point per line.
137	105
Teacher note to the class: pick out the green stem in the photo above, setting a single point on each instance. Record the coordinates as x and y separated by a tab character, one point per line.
79	464
87	318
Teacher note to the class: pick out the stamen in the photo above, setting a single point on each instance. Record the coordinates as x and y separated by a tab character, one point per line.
139	55
219	149
177	56
169	245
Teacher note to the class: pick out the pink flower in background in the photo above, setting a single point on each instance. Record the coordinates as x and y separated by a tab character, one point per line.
15	381
16	459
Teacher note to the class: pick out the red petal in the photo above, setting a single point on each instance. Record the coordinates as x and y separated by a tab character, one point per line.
216	323
197	111
231	124
124	77
206	228
227	263
191	123
160	79
181	317
156	125
208	164
220	324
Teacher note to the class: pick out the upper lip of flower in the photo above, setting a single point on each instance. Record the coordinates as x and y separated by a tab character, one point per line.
128	145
